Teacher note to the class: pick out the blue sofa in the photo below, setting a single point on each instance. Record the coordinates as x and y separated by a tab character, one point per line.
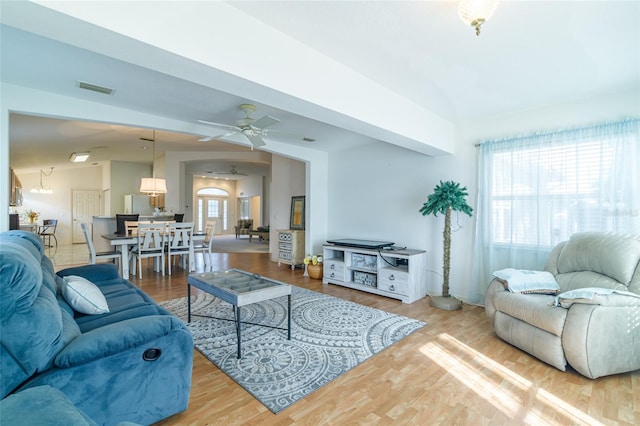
132	364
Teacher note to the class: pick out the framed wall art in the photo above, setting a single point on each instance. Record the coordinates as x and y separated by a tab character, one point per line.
297	212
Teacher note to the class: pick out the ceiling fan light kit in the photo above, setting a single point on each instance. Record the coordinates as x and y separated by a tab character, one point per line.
476	12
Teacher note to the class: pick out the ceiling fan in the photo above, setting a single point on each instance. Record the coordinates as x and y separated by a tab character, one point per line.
254	130
233	171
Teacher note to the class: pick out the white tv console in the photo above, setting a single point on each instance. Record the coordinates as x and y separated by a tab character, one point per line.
400	274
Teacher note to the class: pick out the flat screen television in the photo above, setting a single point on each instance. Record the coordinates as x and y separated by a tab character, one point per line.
366	244
121	219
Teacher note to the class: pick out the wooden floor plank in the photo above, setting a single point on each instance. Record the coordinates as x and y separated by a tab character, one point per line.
453	371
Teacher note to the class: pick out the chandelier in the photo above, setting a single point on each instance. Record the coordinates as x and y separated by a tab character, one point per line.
42	189
476	12
153	186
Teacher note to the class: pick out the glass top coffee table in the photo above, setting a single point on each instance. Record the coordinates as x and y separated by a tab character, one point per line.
239	288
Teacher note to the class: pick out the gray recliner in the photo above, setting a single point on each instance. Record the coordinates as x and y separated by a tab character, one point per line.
596	327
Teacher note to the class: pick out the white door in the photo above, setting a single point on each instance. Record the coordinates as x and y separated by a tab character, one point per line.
213	209
85	205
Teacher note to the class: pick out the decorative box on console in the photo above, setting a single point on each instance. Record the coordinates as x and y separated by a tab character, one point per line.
364	261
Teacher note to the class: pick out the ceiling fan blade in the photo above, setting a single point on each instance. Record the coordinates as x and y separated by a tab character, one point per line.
276	134
265	121
255	140
210	138
221	126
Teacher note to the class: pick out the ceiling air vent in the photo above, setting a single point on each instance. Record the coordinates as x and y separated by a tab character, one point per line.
94	88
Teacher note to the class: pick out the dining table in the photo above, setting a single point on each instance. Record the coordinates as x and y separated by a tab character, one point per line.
123	242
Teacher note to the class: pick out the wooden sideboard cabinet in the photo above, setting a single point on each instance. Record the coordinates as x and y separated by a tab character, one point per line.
400	274
290	247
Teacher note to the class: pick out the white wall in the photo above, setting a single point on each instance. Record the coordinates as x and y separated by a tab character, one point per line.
58	205
288	179
249	186
125	179
375	192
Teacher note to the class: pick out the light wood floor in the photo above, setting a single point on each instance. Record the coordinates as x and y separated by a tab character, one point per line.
454	371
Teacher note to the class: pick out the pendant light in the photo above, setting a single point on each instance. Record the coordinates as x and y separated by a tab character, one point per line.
153	186
42	189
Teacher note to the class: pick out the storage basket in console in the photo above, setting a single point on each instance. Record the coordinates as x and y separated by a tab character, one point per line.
365	278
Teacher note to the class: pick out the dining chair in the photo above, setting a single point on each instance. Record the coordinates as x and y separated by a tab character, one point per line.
204	246
164	222
180	242
101	255
121	219
150	244
48	230
131	227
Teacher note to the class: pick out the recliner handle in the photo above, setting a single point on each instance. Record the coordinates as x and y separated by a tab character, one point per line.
151	354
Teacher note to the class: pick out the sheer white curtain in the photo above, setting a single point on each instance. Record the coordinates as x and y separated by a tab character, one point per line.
535	191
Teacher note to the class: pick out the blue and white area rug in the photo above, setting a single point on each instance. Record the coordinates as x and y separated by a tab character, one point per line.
329	336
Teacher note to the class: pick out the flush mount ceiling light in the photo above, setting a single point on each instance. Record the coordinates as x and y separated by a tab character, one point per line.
153	186
476	12
79	157
43	189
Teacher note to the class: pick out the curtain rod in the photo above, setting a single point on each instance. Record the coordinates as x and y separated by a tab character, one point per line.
559	131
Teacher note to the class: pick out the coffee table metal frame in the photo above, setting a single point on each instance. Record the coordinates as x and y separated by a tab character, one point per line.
239	288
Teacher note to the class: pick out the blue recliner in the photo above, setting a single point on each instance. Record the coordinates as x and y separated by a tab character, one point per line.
132	364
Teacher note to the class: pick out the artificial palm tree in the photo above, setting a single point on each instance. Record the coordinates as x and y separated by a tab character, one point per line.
446	197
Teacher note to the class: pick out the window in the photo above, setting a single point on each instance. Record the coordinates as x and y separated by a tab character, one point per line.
541	195
243	208
543	188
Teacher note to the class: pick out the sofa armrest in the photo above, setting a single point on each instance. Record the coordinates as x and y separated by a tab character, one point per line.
94	273
495	286
602	340
32	406
115	338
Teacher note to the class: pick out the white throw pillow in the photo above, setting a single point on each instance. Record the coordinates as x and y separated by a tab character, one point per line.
84	296
523	281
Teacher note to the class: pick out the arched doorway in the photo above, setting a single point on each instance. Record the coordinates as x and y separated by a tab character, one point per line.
212	204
